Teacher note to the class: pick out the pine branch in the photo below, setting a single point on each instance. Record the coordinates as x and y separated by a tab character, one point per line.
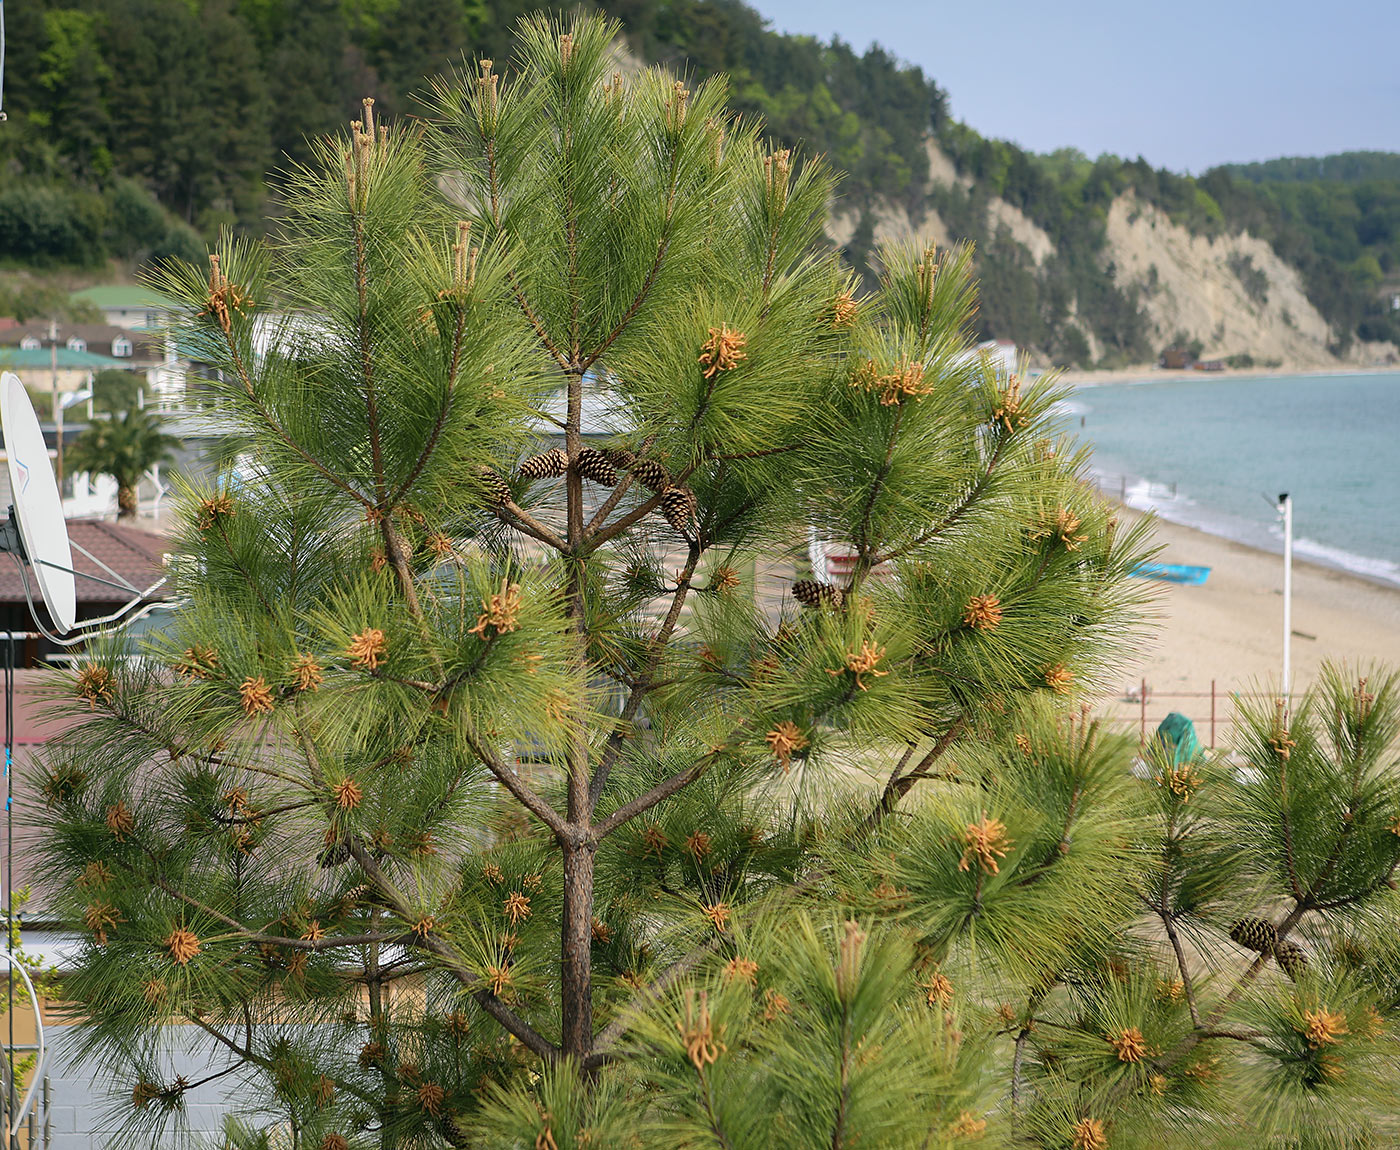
645	998
430	444
248	1055
517	517
949	521
616	528
367	363
280	432
261	938
242	570
437	945
645	681
844	1075
1181	964
900	785
640	298
865	563
1287	824
710	1116
540	333
615	496
493	176
636	515
658	794
517	786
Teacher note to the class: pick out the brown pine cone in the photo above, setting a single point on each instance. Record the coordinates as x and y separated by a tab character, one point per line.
650	473
810	593
679	508
1291	959
495	489
594	465
546	465
1255	934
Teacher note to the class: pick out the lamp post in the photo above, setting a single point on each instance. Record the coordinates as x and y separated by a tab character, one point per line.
64	403
1285	507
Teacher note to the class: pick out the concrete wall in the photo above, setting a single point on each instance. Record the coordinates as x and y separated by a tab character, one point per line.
85	1104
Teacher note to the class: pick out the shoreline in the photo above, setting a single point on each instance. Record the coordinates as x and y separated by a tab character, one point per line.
1229	629
1300	559
1150	373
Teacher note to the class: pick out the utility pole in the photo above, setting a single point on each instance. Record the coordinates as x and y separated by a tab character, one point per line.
53	361
1285	506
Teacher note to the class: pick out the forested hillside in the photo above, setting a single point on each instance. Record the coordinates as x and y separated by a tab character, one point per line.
139	128
1339	227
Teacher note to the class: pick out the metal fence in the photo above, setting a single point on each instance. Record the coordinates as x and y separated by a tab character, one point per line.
36	1131
1212	712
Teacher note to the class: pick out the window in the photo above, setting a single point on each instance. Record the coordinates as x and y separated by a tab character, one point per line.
121	347
76	344
30	343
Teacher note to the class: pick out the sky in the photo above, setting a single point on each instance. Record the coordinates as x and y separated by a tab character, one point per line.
1187	84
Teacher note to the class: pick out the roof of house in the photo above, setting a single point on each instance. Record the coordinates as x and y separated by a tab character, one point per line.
134	555
124	295
146	344
19	357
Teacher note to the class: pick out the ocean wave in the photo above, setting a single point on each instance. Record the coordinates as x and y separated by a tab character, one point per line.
1381	569
1158	499
1162	498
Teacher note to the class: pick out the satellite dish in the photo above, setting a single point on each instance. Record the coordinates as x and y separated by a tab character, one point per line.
43	534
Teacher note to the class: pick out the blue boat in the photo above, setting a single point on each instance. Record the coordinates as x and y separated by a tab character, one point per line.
1172	573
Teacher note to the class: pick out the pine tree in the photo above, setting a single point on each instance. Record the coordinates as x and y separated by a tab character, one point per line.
479	796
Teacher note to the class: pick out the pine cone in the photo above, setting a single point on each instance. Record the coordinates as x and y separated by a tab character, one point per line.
810	593
679	507
650	473
618	456
1255	934
595	465
1291	959
546	465
495	489
337	854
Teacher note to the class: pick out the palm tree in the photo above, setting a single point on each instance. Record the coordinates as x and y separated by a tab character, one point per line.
124	447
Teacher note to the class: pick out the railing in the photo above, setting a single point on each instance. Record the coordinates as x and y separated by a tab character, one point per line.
36	1132
1116	487
1211	717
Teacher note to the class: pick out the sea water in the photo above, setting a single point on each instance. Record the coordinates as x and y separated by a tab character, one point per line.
1215	453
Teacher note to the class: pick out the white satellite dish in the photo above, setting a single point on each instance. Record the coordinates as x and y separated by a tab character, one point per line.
42	532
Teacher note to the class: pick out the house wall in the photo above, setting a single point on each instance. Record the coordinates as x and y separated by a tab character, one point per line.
86	1105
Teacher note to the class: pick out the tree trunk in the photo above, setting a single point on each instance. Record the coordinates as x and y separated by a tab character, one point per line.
126	502
576	953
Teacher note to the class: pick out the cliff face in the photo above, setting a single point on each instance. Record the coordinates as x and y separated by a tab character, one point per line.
1232	294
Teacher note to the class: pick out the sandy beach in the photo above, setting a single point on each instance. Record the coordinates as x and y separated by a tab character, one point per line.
1230	629
1151	373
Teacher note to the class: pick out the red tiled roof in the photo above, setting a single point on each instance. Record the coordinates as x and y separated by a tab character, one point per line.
137	556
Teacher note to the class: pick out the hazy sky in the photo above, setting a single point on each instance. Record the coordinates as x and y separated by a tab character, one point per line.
1185	83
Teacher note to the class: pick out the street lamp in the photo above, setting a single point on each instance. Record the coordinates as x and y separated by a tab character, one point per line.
64	403
1285	508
